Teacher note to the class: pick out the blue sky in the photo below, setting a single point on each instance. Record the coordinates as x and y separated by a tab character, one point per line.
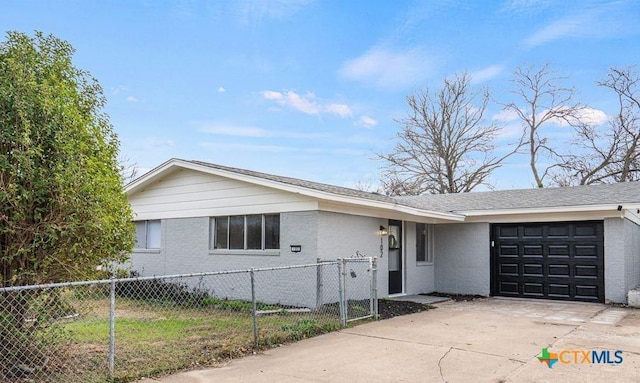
313	89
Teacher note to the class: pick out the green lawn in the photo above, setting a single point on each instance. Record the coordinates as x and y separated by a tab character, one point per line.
155	339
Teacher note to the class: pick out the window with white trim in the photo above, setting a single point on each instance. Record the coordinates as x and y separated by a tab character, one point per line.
424	243
148	234
245	232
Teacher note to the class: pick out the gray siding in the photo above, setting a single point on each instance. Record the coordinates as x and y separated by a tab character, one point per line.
462	258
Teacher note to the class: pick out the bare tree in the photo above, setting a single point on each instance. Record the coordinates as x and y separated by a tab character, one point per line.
369	187
129	170
444	145
543	99
610	153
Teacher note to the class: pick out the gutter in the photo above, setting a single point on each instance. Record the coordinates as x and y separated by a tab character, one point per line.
550	210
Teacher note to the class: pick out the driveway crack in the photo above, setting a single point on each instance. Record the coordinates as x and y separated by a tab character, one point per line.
440	365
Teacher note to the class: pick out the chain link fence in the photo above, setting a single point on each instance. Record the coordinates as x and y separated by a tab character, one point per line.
125	329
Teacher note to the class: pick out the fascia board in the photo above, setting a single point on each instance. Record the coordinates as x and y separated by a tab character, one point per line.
542	210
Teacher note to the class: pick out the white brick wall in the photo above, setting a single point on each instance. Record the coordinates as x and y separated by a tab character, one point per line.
614	260
185	249
342	235
461	252
462	258
420	277
632	254
621	258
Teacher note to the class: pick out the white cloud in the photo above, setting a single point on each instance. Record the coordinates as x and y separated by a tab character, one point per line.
341	110
304	104
505	115
593	116
119	89
525	6
366	122
271	95
385	68
255	11
132	99
511	126
221	89
590	116
235	148
231	130
486	74
596	19
159	144
566	27
307	103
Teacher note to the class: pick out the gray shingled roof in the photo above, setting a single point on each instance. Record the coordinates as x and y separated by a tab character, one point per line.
303	183
609	194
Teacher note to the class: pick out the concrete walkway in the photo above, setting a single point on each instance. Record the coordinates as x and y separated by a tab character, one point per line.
487	340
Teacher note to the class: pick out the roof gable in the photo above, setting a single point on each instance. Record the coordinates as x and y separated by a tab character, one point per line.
325	192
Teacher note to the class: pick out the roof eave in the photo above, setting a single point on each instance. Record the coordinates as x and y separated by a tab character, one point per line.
149	176
550	210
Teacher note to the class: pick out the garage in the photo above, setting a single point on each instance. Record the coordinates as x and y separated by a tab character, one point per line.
554	260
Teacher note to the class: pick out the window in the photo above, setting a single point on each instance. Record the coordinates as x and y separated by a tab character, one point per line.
424	251
245	232
272	231
148	234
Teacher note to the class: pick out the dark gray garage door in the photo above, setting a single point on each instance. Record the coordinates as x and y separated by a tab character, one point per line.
548	260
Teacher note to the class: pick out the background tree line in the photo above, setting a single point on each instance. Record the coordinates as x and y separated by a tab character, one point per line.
446	143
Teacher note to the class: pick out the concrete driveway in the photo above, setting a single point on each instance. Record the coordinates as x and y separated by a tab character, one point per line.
487	340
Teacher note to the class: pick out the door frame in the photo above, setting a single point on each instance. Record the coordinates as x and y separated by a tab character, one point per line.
402	271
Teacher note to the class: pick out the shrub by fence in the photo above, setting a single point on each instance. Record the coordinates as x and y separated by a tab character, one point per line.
124	329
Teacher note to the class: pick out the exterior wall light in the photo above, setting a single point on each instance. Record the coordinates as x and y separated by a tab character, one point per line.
383	231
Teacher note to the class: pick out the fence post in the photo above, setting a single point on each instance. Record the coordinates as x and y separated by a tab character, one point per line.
341	302
254	310
374	287
371	303
344	290
319	298
112	327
